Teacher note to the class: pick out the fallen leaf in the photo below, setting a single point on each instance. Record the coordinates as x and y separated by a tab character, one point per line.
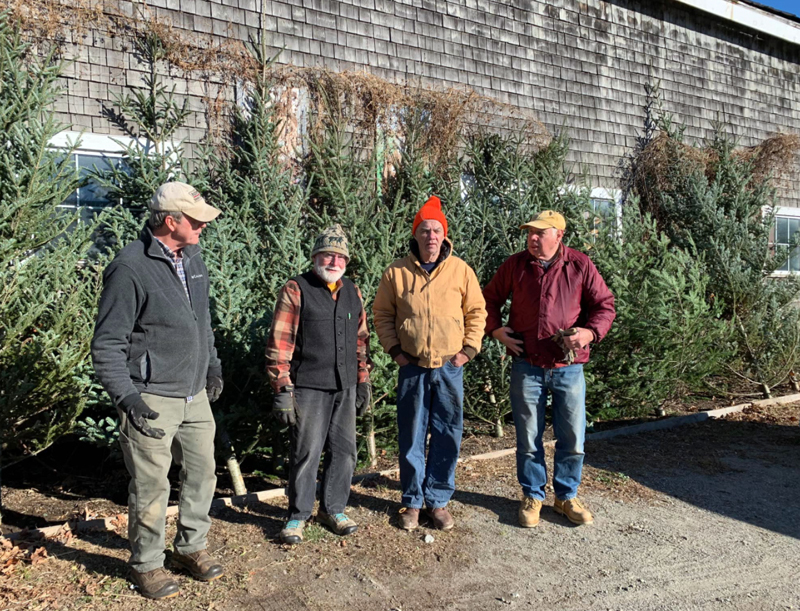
9	566
39	555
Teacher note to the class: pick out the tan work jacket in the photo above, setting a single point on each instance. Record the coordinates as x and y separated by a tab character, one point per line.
430	317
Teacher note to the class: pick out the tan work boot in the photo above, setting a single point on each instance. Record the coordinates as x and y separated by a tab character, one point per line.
408	518
157	584
529	510
441	518
574	511
200	564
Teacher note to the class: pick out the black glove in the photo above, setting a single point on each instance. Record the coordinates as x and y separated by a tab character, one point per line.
214	385
363	398
138	415
285	405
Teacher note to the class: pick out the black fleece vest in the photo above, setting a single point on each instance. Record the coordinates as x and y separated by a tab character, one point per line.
325	348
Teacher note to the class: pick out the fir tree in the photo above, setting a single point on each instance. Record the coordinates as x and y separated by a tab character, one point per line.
260	241
48	284
713	203
151	116
667	338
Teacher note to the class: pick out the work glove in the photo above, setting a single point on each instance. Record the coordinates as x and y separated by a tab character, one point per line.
138	414
284	406
363	398
569	355
214	386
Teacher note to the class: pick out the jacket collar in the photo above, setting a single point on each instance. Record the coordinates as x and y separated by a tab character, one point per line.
444	253
564	255
154	250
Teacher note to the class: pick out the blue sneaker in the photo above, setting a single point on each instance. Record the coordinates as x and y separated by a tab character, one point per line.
339	523
292	533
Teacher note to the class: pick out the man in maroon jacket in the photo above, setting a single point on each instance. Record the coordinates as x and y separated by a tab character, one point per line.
559	305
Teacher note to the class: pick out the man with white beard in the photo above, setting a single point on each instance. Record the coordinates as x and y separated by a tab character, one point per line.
317	364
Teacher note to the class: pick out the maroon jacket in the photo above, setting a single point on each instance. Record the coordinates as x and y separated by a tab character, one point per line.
570	293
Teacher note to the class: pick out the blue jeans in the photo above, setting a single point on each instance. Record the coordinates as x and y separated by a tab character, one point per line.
432	397
530	386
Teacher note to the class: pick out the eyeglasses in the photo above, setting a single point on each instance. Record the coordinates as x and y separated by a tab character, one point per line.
329	257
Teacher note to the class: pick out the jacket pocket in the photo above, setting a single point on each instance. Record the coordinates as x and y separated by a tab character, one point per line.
408	334
448	336
145	368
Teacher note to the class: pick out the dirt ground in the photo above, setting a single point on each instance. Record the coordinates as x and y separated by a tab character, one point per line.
705	516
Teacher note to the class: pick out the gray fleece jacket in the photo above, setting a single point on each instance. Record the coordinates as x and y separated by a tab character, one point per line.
148	336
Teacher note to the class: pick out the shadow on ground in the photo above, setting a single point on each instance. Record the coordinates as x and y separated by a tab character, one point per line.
744	470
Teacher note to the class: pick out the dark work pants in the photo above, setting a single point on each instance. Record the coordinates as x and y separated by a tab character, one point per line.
326	420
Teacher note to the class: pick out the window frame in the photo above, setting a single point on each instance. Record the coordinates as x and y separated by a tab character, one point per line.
787	213
106	145
90	145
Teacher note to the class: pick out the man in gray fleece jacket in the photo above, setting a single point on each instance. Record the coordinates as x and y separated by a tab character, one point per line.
153	351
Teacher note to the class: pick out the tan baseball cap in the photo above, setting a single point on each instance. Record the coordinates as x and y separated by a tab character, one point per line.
180	197
545	220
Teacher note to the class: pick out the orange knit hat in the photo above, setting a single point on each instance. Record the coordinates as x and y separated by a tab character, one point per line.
431	211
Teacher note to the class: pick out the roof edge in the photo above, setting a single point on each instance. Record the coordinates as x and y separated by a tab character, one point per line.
752	17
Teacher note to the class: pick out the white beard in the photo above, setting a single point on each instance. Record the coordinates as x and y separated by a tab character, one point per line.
327	275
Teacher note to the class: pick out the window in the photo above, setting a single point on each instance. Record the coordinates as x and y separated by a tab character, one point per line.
94	152
604	208
787	224
607	210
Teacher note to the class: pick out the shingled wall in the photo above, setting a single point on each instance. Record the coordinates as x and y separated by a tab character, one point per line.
577	64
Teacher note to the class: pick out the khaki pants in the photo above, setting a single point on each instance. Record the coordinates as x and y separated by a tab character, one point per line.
189	440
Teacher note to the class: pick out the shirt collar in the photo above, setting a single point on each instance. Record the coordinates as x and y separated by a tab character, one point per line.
560	254
167	250
336	288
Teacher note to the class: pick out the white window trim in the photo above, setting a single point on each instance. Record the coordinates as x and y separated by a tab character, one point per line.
92	143
614	195
106	144
786	213
606	193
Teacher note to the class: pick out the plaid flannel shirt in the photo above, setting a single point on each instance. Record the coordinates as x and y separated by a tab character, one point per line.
283	336
177	263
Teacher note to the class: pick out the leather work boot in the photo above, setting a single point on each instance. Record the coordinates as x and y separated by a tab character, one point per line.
292	533
339	523
529	510
200	564
441	518
574	511
156	584
408	518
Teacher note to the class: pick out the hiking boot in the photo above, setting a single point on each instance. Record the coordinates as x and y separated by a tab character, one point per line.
408	518
529	510
574	511
441	518
292	533
200	564
156	584
339	523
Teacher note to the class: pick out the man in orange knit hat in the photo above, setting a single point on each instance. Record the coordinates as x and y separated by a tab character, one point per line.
429	316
